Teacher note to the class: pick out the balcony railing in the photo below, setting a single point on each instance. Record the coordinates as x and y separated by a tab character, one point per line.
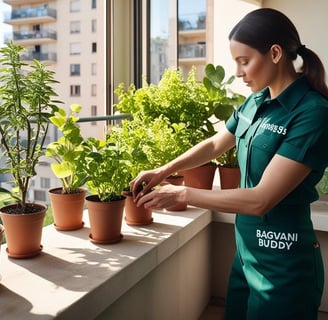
50	56
189	51
31	35
28	13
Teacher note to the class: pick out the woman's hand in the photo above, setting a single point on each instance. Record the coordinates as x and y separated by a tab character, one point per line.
162	197
145	182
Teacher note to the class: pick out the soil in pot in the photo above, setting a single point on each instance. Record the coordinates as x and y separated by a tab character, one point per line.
67	209
23	231
105	219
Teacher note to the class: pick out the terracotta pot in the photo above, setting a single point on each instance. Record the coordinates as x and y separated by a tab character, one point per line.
176	180
105	220
67	209
23	231
200	177
136	216
229	177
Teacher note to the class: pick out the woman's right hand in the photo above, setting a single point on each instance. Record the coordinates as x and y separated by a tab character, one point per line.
144	182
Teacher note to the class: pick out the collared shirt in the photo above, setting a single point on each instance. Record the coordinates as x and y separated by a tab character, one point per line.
293	125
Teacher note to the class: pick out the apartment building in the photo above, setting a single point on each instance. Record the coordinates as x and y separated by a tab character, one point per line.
68	36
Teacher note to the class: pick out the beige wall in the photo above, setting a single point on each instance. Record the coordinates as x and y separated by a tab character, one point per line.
308	16
179	288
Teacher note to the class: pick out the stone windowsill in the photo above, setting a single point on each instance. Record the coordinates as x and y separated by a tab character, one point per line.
74	279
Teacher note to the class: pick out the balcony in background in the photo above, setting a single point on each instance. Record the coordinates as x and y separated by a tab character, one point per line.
35	15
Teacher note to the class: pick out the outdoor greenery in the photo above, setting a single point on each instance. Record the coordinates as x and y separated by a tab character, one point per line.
222	102
69	151
107	169
191	109
26	96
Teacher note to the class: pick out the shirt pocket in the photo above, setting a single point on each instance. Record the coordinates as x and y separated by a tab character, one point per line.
263	148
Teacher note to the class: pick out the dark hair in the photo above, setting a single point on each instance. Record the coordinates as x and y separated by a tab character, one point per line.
262	28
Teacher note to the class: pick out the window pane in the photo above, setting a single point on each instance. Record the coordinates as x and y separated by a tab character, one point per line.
159	38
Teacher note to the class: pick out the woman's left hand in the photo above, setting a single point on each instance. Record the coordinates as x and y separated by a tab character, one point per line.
162	197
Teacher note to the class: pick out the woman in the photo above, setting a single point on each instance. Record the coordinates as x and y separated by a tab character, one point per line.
281	134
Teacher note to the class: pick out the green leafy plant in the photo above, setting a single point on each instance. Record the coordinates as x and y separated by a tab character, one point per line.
107	169
69	151
26	96
148	144
222	102
174	98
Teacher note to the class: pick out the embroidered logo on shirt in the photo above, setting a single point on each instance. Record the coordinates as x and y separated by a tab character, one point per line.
274	128
276	240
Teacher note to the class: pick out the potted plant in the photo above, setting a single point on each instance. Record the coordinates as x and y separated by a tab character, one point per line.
26	96
179	101
68	153
107	172
147	143
223	102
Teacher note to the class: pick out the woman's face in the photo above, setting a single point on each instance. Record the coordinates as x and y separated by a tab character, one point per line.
257	69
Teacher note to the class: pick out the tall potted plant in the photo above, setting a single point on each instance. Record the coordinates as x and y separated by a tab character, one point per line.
222	102
107	171
68	153
26	96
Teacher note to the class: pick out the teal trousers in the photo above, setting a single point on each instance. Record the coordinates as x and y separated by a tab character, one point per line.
277	272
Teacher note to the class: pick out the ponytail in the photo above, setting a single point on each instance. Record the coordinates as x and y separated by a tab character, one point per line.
313	70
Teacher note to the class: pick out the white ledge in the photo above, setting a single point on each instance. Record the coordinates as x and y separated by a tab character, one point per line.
73	277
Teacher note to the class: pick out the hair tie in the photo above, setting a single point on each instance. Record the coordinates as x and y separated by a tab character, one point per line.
300	49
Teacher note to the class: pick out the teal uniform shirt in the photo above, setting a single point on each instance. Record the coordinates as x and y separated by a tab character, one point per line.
277	272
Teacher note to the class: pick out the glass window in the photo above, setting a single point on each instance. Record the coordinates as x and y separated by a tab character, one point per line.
39	195
93	90
159	38
45	183
75	27
75	48
93	69
93	25
94	47
94	113
75	90
93	4
75	6
75	69
171	42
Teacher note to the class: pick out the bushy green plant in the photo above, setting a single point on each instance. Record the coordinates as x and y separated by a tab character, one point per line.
26	96
222	102
69	151
182	102
107	169
148	144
